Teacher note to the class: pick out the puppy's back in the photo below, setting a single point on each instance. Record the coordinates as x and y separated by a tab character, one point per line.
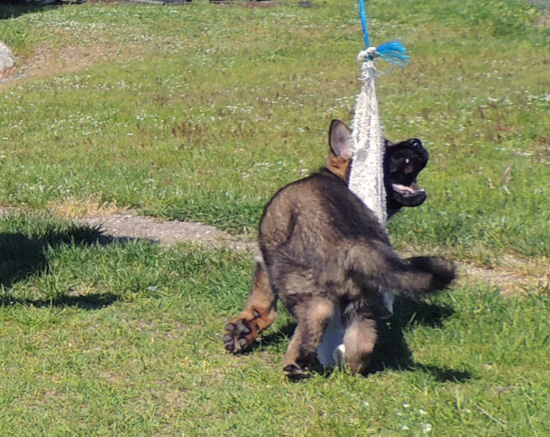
317	221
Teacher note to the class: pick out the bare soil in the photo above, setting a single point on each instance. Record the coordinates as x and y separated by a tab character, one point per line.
165	232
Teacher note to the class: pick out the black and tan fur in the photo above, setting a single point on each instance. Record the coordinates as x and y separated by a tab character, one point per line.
323	251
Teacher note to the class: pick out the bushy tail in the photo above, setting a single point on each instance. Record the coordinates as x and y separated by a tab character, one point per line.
425	275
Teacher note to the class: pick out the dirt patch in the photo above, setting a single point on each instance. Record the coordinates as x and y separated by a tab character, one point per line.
511	275
49	62
6	60
167	233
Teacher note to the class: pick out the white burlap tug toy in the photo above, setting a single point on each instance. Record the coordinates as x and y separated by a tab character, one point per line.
367	175
367	172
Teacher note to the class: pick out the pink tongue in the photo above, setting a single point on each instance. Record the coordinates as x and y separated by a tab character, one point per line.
400	187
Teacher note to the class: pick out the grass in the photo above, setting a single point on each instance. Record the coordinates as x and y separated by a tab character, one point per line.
201	113
126	339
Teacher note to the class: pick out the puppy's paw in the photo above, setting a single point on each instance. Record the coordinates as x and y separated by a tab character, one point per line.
295	373
239	335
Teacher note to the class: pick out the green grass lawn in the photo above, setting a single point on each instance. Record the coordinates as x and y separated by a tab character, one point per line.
126	339
202	112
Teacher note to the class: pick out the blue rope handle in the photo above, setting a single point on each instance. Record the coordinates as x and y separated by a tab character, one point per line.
392	51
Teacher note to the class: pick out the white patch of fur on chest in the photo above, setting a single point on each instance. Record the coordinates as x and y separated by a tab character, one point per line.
332	351
388	297
332	342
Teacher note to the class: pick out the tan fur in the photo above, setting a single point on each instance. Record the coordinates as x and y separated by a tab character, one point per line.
339	166
260	311
359	341
313	314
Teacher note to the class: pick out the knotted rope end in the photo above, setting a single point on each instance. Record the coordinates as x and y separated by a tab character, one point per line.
367	55
393	51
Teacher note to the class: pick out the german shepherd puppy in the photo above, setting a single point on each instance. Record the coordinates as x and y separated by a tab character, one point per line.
327	257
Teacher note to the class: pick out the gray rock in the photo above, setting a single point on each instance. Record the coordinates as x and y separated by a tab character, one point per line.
6	57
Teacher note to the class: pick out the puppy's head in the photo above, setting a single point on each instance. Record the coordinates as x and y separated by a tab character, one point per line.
402	164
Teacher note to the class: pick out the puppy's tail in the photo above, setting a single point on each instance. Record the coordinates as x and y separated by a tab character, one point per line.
424	275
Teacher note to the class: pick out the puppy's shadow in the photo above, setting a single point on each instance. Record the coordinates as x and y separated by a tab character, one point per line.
22	256
282	335
392	351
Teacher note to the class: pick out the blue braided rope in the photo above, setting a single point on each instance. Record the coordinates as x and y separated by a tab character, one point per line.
392	51
363	11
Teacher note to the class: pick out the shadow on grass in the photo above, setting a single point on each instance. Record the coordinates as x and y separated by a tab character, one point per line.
392	351
23	255
15	8
94	301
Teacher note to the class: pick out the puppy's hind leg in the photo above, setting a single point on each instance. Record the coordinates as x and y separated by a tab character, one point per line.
259	314
359	340
313	316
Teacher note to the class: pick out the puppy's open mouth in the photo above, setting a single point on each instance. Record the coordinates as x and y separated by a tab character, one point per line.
408	195
406	191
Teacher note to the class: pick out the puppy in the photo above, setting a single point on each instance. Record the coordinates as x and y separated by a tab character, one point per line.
328	259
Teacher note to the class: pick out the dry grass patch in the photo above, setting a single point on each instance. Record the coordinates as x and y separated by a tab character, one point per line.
512	274
47	62
74	207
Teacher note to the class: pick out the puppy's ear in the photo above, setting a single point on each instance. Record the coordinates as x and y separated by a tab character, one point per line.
339	139
388	144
